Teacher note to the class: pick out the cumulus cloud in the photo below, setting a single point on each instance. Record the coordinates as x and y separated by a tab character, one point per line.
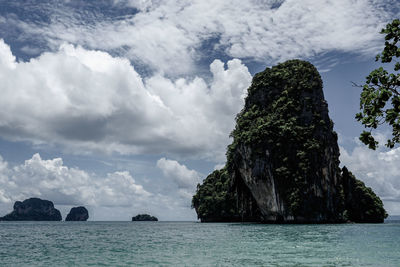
185	178
379	170
169	35
51	179
113	196
90	101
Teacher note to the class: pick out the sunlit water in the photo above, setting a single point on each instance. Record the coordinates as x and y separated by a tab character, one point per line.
197	244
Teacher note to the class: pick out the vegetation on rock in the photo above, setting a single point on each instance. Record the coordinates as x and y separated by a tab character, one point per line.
284	147
221	199
288	125
361	203
144	217
214	198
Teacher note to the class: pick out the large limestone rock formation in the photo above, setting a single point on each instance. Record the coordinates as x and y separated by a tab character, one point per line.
283	164
33	209
78	214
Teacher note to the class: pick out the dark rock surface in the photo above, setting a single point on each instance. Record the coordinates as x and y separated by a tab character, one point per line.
283	164
78	214
144	217
361	203
33	209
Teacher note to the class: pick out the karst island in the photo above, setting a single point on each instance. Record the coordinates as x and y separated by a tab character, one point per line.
283	164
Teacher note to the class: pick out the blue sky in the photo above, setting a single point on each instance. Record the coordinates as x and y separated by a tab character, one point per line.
124	106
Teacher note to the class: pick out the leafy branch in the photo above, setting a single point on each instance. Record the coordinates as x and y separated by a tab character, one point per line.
380	97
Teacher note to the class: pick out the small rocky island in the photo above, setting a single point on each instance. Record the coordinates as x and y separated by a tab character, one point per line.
78	214
283	163
144	217
33	209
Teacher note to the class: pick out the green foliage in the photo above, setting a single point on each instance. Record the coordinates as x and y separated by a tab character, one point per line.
213	199
380	97
144	217
285	125
280	117
361	204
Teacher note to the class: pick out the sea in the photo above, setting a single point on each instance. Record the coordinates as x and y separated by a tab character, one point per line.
198	244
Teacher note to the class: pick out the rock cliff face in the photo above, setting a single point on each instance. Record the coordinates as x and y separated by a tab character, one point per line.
283	164
33	209
78	214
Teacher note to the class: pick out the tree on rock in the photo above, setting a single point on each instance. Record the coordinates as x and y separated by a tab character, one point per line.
144	217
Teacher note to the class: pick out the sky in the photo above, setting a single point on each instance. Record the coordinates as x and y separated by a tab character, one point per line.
124	106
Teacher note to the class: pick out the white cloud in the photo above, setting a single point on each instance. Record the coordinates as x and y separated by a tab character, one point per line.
185	178
51	179
219	166
90	101
7	60
379	170
168	35
114	196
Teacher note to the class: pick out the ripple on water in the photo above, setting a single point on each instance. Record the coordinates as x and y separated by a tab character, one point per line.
196	244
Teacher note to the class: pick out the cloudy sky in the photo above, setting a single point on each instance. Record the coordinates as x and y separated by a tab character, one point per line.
124	106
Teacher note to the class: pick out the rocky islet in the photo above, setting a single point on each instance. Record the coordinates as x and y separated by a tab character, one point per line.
33	209
78	214
283	164
144	217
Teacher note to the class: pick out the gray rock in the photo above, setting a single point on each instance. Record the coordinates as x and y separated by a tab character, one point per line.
144	217
78	214
256	165
33	209
285	153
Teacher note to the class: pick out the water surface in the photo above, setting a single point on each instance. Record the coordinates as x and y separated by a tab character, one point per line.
197	244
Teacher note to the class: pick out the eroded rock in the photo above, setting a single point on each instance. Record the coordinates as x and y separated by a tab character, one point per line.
33	209
283	164
78	214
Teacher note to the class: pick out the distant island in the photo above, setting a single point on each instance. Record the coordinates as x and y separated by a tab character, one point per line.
78	214
144	217
33	209
283	163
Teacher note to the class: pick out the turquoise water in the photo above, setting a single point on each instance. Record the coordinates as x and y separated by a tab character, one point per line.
197	244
